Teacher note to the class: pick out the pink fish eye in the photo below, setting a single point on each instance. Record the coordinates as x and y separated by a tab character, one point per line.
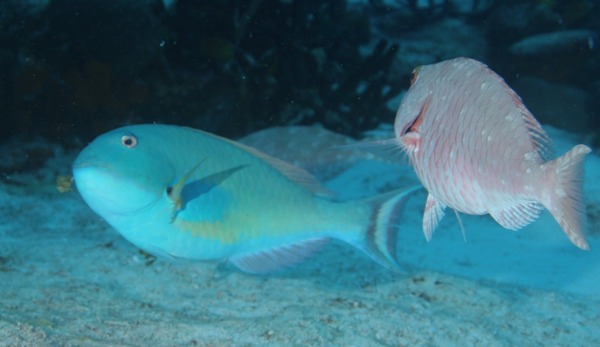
129	141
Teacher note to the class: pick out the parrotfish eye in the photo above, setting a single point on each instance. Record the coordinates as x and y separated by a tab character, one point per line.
129	141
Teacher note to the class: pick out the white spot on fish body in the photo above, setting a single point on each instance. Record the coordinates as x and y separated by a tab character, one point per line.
528	171
528	188
484	85
529	156
509	117
483	132
489	139
560	192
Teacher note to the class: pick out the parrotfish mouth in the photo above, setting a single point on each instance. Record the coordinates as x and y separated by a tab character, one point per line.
87	176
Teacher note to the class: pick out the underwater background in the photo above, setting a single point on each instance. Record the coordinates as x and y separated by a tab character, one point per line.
293	79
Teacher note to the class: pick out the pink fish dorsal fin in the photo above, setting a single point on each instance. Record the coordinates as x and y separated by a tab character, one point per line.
538	136
277	258
540	140
290	171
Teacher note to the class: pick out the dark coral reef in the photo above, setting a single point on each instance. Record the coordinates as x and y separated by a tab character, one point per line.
71	69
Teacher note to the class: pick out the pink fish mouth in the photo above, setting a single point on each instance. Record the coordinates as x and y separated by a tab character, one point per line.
411	142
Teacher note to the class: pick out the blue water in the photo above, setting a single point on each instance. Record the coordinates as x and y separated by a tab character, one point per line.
70	72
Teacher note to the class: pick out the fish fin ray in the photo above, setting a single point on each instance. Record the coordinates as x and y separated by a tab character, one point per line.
196	188
294	173
566	198
518	216
460	223
277	258
538	136
432	215
388	149
381	236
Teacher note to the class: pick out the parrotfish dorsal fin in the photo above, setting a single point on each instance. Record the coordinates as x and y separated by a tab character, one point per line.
290	171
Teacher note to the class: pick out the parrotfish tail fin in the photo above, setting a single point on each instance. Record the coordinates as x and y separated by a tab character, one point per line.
380	236
566	197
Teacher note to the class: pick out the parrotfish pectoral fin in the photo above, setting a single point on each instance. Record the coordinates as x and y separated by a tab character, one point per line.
184	192
565	201
433	214
174	191
277	258
194	189
381	235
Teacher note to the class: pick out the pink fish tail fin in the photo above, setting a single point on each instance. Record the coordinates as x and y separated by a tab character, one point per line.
565	200
379	239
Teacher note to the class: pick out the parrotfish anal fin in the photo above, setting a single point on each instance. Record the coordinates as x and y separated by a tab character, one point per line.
380	241
517	216
277	258
433	214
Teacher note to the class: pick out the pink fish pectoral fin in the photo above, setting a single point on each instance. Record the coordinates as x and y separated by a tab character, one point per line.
388	149
277	258
518	216
433	214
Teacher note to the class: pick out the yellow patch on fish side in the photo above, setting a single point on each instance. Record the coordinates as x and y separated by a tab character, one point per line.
64	184
214	231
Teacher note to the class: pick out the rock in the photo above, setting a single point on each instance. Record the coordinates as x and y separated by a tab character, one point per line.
470	7
509	23
558	42
568	57
432	44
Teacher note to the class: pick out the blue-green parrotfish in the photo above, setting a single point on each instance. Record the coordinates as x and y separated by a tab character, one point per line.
183	193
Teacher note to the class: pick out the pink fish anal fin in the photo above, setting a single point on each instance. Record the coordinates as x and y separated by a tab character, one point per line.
518	216
277	258
433	214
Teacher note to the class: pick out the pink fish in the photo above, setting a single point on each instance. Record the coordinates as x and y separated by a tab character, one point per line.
477	149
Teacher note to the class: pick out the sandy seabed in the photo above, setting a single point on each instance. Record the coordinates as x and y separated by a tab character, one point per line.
68	279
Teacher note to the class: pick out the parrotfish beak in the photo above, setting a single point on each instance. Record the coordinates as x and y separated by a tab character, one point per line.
105	190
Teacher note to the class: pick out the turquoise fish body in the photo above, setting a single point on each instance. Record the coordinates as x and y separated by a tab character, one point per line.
184	193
